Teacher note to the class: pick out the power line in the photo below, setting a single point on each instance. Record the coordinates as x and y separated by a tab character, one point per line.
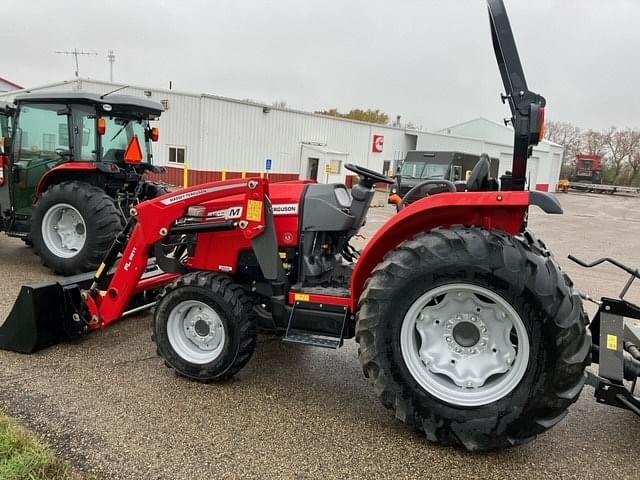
75	52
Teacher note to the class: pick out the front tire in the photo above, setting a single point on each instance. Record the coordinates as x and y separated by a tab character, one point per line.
474	337
72	227
205	328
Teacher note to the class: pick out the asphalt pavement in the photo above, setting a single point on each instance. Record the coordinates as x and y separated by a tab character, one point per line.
108	404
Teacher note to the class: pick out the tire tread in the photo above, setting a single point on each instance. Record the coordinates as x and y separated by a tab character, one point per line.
503	256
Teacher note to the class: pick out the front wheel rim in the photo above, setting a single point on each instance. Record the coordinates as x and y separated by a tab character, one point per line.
464	344
196	332
64	230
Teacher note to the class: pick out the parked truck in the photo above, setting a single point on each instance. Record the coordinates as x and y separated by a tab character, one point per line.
419	166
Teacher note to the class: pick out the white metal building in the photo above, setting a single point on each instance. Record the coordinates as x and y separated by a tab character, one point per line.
216	136
8	85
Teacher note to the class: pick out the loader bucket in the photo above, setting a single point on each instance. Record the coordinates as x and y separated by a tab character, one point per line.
43	315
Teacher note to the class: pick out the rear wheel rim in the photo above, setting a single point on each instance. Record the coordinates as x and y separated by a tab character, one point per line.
64	230
464	344
196	332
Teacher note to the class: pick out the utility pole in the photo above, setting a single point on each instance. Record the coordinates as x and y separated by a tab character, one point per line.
75	52
112	58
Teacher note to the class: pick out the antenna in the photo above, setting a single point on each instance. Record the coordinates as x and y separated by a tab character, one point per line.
75	52
112	58
113	91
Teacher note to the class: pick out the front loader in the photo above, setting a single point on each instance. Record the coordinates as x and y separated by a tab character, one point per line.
467	328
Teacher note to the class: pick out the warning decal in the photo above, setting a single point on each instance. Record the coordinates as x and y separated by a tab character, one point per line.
254	210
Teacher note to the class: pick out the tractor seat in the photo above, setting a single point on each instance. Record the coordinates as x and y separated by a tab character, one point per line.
479	178
113	155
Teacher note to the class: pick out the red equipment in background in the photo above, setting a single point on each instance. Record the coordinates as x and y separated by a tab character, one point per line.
588	169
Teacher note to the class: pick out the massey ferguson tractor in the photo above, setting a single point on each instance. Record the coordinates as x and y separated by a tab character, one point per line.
72	168
467	328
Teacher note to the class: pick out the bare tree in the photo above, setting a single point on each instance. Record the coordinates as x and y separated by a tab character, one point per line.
593	143
634	167
619	145
567	135
633	161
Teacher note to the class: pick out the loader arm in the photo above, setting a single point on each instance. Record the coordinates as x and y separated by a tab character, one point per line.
45	314
153	221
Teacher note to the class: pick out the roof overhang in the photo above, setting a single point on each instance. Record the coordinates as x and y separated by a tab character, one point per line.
118	103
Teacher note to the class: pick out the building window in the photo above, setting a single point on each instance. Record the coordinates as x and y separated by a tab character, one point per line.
48	142
165	103
334	166
176	155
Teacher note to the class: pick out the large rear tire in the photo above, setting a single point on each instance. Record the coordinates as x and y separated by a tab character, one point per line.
205	328
474	337
72	227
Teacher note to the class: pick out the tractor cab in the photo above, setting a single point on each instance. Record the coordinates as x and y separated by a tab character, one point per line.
73	145
47	136
84	130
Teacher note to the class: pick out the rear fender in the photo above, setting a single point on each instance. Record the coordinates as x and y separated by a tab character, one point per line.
506	211
64	171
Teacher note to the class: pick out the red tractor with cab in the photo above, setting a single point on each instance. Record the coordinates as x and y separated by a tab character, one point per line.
72	165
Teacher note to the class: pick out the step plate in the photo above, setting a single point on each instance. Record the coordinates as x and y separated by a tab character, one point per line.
313	340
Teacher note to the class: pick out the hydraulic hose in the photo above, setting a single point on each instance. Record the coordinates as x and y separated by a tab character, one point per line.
633	350
631	366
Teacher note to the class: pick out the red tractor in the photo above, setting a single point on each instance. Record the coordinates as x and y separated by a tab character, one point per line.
467	328
72	164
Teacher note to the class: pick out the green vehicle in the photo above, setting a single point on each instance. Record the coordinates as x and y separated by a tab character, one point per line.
72	164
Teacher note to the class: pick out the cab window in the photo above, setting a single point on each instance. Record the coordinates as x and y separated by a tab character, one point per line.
83	128
42	132
118	135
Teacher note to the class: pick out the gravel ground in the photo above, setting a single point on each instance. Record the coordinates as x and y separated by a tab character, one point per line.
109	405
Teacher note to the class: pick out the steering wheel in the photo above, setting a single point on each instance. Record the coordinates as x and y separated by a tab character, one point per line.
64	153
416	191
369	174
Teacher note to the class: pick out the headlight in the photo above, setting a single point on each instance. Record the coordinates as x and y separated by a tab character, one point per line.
394	190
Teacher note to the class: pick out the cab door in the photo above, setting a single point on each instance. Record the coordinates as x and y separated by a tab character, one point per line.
40	142
6	120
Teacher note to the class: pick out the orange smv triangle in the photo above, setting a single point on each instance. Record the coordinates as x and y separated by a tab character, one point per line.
134	151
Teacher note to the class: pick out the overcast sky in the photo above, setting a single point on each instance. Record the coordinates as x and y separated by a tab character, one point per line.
430	61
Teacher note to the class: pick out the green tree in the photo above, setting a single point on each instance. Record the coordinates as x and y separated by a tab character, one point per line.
368	115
